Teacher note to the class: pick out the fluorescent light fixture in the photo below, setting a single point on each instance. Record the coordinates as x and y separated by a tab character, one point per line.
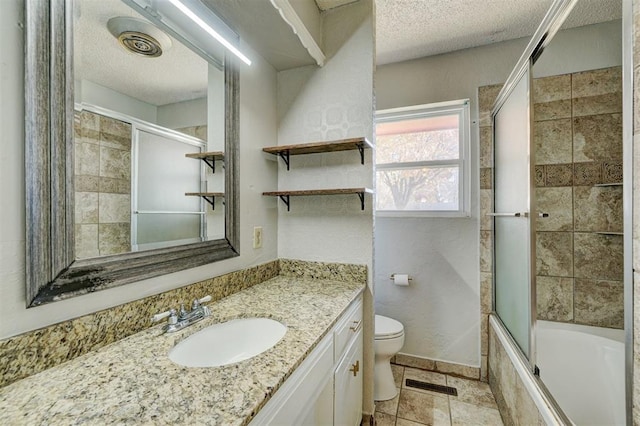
213	33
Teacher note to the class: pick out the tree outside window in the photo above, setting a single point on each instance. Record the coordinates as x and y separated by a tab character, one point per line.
420	159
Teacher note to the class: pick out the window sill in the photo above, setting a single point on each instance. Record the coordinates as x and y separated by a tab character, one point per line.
423	214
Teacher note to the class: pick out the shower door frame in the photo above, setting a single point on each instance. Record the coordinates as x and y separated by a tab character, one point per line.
138	126
551	23
553	20
627	197
515	79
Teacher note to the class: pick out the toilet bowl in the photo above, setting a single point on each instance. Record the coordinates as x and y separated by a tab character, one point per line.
389	338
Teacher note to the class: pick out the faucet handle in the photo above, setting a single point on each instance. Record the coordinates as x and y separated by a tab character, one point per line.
197	302
205	299
170	313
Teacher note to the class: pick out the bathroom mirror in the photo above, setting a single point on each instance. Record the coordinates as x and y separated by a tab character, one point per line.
65	258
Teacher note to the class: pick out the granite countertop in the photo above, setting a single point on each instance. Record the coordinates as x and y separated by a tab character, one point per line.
133	381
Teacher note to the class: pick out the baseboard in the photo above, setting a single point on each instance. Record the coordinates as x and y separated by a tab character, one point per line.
443	367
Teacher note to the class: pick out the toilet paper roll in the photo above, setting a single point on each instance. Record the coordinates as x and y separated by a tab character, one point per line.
401	279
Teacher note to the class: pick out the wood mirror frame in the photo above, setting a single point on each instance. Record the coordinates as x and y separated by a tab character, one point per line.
52	271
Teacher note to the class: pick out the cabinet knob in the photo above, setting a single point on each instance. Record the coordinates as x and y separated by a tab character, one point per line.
356	326
355	368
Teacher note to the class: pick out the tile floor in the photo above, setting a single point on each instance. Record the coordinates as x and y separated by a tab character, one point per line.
474	404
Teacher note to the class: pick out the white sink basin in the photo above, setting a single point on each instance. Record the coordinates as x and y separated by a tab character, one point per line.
228	342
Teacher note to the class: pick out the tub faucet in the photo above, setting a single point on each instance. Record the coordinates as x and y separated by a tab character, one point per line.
183	318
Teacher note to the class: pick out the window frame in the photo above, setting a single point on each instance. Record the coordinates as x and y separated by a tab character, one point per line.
459	107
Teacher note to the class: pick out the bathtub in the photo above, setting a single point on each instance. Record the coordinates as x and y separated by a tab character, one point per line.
583	368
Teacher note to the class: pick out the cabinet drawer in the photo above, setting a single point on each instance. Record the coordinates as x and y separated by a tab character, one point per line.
347	328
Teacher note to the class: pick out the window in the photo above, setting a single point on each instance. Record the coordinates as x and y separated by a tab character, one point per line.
422	160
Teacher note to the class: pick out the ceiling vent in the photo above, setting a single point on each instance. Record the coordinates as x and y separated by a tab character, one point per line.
139	36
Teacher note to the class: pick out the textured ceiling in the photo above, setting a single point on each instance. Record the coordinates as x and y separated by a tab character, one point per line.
405	29
178	75
410	29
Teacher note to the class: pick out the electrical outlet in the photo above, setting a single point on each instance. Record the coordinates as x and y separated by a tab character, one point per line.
257	237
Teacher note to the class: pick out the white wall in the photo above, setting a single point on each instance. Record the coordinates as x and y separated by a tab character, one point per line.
257	128
444	77
183	114
321	104
581	49
95	94
172	116
440	310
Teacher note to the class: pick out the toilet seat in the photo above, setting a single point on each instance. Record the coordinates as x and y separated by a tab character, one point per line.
387	328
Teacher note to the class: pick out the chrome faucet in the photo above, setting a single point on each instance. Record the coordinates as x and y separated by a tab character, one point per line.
183	318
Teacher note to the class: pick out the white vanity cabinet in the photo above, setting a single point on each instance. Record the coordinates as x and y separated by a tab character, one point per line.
347	379
327	387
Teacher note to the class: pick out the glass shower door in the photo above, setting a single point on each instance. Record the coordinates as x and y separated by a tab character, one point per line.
163	214
512	224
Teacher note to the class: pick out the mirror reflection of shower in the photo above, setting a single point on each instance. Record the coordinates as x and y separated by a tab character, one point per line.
136	89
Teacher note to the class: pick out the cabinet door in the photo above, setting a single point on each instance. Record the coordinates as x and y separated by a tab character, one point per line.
321	411
348	386
306	397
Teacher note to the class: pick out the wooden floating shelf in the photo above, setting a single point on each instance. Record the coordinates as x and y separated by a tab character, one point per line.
285	195
209	197
284	151
208	157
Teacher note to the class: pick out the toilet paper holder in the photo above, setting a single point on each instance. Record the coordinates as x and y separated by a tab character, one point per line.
394	275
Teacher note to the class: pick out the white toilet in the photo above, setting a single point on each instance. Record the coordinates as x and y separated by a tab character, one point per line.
388	342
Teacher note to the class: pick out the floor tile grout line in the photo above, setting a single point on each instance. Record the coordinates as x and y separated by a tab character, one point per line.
447	379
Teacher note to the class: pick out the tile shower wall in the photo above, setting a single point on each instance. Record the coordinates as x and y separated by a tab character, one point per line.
486	98
635	306
577	132
512	397
102	185
199	132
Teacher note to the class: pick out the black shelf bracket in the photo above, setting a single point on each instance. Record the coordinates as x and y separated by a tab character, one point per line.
361	151
286	200
211	163
211	200
285	157
361	196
